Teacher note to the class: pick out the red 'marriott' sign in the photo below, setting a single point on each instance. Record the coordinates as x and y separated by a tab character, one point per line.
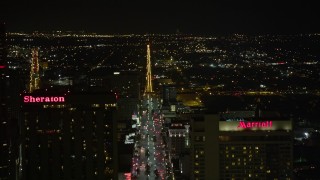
255	124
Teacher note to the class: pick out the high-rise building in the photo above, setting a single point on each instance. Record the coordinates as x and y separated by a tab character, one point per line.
260	149
4	126
178	140
10	87
126	108
169	95
179	147
34	71
69	135
3	51
124	83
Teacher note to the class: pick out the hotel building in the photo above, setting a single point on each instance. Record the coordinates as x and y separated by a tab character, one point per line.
231	150
69	136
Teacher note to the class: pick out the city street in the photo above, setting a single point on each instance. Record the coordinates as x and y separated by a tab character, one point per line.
150	162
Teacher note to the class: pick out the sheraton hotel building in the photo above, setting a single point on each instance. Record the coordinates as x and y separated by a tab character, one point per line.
68	135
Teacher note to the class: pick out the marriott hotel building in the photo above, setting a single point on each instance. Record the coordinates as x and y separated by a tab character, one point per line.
68	136
232	150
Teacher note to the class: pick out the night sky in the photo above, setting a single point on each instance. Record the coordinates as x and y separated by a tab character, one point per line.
166	16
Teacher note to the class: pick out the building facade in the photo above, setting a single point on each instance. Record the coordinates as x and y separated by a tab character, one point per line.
260	149
69	136
4	126
10	86
169	95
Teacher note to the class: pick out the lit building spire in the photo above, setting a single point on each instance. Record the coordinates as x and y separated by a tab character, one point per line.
149	88
34	71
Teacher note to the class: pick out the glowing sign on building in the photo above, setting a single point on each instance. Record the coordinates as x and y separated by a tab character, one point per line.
40	99
255	125
259	124
127	176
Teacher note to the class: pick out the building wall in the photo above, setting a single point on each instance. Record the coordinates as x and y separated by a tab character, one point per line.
169	95
3	47
126	107
177	145
10	87
70	140
211	147
205	153
125	84
4	141
242	154
262	155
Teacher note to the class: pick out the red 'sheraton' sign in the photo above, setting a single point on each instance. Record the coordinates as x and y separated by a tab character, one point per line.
255	124
40	99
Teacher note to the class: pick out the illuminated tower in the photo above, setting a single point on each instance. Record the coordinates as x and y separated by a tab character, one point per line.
34	72
149	88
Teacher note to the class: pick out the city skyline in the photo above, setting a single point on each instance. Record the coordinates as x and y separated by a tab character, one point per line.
197	17
147	99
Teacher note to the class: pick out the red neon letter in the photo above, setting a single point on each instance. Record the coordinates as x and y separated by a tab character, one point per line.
61	99
242	125
32	99
26	99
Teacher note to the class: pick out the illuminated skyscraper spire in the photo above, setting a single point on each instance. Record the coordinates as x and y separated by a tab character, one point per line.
34	72
149	88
